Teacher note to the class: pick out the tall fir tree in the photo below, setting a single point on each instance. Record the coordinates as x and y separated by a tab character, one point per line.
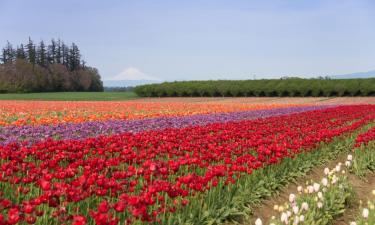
8	53
65	54
21	54
31	52
42	54
58	52
52	48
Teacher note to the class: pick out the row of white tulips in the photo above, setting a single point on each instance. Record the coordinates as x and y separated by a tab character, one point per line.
317	202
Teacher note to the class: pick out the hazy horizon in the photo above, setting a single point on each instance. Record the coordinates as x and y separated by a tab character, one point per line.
169	40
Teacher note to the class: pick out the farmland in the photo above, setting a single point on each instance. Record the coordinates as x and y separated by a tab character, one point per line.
187	160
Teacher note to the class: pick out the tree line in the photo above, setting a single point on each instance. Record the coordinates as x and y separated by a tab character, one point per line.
45	68
258	88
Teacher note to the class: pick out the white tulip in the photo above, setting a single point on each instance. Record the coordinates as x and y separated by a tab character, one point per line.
353	223
258	222
301	218
326	171
292	198
288	213
350	157
284	217
299	189
325	181
320	195
310	189
365	213
316	187
295	209
338	168
320	205
275	207
347	163
305	206
296	220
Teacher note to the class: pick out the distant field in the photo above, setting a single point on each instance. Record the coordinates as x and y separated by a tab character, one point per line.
72	96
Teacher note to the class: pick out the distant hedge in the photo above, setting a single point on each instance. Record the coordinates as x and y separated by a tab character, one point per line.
259	88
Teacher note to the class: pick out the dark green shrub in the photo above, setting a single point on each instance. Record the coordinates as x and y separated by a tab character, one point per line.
260	88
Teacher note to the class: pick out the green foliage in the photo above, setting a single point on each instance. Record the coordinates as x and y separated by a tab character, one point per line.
364	160
258	88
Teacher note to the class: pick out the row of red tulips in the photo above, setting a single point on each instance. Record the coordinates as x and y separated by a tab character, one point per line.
143	176
366	137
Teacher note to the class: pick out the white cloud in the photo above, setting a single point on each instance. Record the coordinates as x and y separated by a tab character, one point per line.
132	73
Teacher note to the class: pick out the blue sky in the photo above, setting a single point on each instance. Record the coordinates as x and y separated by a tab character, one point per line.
206	39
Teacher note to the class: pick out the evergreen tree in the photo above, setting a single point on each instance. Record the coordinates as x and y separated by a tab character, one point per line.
65	54
58	52
31	52
74	58
3	56
21	54
8	53
42	54
52	52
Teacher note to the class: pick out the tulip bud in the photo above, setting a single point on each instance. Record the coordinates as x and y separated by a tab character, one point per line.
365	213
292	198
326	171
320	205
258	222
316	187
295	209
296	220
350	157
299	189
325	181
284	217
305	206
310	189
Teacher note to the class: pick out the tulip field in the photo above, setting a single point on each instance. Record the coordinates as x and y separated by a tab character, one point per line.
167	162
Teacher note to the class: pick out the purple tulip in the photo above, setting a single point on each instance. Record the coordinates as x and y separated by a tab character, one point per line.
32	134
